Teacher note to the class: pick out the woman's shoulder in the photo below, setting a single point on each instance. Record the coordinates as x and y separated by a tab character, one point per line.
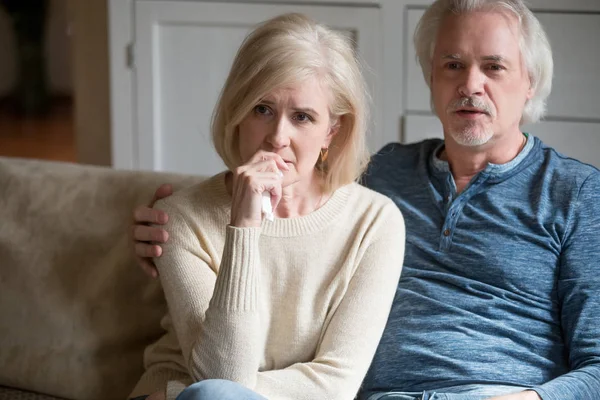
372	211
373	217
365	198
207	197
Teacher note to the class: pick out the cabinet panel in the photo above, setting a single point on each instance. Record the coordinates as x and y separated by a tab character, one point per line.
193	63
184	51
574	40
416	92
580	140
575	85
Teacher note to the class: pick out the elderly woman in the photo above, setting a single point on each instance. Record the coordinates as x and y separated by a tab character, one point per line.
291	307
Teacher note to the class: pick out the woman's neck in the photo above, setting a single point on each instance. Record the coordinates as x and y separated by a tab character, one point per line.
302	198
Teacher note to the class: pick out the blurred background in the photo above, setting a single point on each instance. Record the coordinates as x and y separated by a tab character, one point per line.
132	83
43	64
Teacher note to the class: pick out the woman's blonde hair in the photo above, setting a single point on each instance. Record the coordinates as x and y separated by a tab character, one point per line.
289	49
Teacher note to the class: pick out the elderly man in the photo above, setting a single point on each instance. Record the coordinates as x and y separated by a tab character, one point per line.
500	290
500	295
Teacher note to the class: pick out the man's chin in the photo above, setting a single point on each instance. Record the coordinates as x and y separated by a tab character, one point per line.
471	139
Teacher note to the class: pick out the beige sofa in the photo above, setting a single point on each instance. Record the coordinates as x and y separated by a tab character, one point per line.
75	311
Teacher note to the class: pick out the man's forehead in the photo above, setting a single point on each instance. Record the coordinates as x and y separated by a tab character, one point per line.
489	35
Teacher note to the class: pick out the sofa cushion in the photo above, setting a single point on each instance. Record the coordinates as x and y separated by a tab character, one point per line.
75	311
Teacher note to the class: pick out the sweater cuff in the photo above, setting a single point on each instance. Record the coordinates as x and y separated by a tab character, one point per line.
174	388
548	391
236	288
155	379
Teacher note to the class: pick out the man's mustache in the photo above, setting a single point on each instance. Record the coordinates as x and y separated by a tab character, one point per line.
470	102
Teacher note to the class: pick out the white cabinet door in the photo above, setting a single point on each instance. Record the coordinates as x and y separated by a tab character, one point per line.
183	52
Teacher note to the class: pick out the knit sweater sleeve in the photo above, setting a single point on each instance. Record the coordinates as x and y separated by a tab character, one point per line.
351	337
214	313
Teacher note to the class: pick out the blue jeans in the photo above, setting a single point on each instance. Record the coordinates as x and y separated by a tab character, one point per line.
466	392
218	389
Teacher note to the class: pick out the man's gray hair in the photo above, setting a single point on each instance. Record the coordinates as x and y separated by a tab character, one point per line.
535	48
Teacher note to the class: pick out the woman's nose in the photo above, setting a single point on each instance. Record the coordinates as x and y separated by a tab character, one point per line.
280	134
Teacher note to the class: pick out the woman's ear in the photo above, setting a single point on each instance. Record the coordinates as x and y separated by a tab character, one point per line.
334	128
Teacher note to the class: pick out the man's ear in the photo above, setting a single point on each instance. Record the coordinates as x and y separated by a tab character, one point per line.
530	93
531	90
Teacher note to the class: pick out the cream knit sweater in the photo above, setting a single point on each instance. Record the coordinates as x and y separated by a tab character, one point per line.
293	310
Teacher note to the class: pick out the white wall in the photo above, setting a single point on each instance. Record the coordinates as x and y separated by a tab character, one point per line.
58	50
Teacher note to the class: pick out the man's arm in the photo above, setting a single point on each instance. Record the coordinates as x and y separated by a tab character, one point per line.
579	296
525	395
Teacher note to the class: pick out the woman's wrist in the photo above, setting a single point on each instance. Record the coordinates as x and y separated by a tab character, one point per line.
245	223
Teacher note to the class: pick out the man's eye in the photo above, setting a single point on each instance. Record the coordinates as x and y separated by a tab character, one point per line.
496	67
453	65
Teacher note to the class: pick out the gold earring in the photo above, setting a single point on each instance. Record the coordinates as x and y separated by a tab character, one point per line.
324	154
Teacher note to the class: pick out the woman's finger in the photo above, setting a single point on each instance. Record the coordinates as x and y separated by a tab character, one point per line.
273	184
263	155
268	165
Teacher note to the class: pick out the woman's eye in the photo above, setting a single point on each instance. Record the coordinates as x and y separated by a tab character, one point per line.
260	109
302	117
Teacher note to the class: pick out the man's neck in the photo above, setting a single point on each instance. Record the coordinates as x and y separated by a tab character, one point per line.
466	162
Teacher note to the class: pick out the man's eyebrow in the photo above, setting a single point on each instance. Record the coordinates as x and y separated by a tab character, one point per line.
494	57
451	56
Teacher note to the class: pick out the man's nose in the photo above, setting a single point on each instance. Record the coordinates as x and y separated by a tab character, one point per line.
472	83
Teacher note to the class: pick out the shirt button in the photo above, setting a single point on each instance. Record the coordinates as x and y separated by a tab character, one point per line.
447	232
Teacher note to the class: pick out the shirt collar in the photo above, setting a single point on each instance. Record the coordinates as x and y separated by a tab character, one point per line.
442	166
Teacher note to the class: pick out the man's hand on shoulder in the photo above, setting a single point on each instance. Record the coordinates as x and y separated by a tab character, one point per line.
156	396
146	239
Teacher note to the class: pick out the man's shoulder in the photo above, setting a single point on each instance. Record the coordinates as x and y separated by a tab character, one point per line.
409	155
398	165
564	168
